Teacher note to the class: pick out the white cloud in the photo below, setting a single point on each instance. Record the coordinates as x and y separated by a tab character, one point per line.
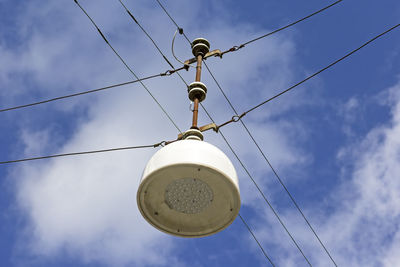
366	220
86	205
359	223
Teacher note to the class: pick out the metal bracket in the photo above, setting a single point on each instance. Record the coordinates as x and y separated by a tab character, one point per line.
202	129
209	127
214	53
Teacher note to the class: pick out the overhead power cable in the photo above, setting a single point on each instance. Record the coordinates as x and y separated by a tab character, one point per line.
154	43
83	153
167	73
272	168
261	193
237	118
248	173
255	239
145	32
237	47
127	66
179	28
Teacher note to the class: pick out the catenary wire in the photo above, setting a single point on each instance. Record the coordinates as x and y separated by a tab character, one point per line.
145	32
255	239
126	65
236	118
290	88
237	47
154	43
169	72
260	191
248	173
83	153
263	154
323	69
179	28
272	168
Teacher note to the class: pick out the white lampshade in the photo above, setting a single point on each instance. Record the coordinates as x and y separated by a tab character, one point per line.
189	188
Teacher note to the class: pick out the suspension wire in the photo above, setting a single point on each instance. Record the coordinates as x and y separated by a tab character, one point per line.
179	28
248	173
270	165
323	69
155	44
237	47
236	118
259	189
126	65
255	239
167	73
145	32
84	153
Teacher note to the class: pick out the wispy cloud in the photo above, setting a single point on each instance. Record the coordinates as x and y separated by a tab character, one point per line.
86	206
359	222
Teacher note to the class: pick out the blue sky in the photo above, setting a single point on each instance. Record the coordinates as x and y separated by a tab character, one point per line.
334	140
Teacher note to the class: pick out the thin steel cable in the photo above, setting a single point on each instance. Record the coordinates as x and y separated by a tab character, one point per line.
259	190
126	65
287	26
152	40
270	165
248	173
290	88
82	153
255	239
179	28
81	93
145	32
323	69
236	118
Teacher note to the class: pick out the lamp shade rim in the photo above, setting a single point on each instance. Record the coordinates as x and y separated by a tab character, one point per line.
151	218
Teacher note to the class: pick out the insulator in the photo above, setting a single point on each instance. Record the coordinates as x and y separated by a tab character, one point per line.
200	46
197	90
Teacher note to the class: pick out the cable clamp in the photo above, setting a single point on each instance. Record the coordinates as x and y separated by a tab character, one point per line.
235	118
162	143
169	72
233	49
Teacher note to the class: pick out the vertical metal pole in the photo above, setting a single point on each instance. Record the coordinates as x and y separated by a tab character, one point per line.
196	100
198	67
